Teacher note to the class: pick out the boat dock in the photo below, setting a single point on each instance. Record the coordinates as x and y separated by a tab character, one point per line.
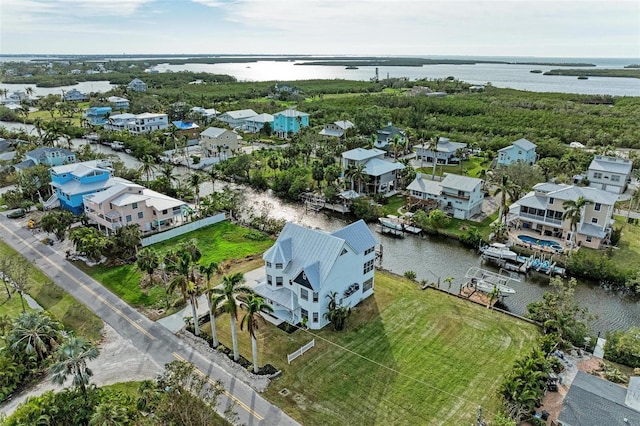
524	264
396	226
315	202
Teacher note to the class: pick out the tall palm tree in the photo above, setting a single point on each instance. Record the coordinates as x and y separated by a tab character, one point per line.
148	166
71	360
166	172
504	187
208	271
34	332
195	179
254	305
226	297
432	146
573	213
185	280
148	261
356	173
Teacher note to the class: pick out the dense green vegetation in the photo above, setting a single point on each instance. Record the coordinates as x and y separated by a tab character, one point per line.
626	73
624	347
403	358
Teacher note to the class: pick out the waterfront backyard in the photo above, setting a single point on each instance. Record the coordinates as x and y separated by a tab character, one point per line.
407	356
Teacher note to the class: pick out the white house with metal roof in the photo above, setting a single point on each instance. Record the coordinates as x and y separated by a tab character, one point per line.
459	195
382	175
609	173
235	119
137	85
444	152
521	150
256	123
337	129
305	265
542	209
137	123
118	102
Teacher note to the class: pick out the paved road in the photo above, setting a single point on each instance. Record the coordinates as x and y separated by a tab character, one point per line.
151	338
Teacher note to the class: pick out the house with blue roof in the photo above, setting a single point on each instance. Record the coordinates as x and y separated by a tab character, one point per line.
461	196
289	121
74	95
97	116
305	265
381	175
71	182
522	151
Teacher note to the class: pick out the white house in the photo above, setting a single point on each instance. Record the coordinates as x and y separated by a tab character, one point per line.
305	265
609	173
521	150
207	114
118	102
459	195
388	134
256	123
137	85
444	153
137	123
74	95
236	118
336	129
382	175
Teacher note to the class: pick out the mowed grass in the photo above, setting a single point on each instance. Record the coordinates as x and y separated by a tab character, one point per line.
222	242
407	357
61	305
628	251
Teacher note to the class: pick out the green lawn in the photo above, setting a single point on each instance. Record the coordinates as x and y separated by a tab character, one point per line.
473	167
407	357
222	242
393	204
628	252
52	298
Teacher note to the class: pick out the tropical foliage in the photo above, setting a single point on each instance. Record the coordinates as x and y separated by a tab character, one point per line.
623	346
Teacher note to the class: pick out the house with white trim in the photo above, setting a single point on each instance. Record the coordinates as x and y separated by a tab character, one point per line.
609	173
458	195
522	151
382	175
305	265
541	211
137	85
256	123
74	95
236	119
444	153
118	102
137	123
218	142
337	129
387	134
288	122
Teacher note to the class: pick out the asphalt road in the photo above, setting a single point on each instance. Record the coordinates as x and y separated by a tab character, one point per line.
151	338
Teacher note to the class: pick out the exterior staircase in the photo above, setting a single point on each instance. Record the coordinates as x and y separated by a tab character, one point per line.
51	203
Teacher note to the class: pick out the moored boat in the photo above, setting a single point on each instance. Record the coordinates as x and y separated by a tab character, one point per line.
498	251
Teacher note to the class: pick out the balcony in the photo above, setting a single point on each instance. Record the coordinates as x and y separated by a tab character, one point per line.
539	218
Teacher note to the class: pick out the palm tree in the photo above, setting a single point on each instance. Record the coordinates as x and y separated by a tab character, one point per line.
71	360
356	173
449	281
208	271
503	188
186	281
166	172
109	414
195	179
432	146
148	166
226	296
34	332
148	261
573	213
254	305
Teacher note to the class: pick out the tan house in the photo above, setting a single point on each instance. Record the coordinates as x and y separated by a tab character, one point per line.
219	142
542	209
127	203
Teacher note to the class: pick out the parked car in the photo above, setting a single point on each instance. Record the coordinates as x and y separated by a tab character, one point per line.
17	214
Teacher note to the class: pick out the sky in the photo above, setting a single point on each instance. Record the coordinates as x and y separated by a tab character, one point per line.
540	28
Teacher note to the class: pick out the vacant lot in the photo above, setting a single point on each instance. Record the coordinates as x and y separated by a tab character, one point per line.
407	357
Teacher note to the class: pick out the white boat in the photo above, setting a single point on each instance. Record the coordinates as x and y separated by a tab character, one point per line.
397	225
486	281
117	146
499	251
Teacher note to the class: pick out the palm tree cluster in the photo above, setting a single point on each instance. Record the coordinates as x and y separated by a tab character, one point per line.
336	313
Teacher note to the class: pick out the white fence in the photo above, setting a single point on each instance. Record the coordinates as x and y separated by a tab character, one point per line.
300	351
183	229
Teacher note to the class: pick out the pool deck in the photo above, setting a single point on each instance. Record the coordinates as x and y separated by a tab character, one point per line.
513	237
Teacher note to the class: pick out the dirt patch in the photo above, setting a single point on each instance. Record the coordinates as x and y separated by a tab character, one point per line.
119	361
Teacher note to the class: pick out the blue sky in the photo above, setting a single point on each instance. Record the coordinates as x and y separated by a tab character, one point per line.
544	28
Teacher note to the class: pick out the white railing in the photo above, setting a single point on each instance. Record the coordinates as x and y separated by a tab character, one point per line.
182	229
301	351
52	202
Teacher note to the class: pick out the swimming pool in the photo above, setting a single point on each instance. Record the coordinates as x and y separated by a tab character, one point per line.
544	243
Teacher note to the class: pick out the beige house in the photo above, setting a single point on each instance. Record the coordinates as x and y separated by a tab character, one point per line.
542	209
127	203
219	142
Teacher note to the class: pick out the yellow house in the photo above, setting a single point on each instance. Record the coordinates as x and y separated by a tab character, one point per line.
219	142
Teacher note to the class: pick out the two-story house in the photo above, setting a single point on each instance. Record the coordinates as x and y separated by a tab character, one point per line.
48	156
97	116
218	142
74	95
137	85
336	129
137	123
256	123
235	119
118	102
444	152
542	211
305	265
381	175
126	203
459	195
70	183
522	151
609	173
207	114
188	130
289	121
388	134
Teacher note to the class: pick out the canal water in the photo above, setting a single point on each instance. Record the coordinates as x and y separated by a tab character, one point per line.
429	257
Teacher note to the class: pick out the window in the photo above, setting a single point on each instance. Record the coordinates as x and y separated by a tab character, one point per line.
164	211
140	215
367	285
304	313
278	265
588	238
134	206
279	281
551	200
110	206
594	220
268	264
369	250
315	317
128	218
597	175
615	178
368	266
269	280
315	297
597	207
343	251
304	294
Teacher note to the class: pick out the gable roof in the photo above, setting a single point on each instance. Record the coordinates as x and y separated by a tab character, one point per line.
291	113
379	167
592	401
261	118
425	186
241	114
214	132
610	164
44	151
357	235
460	183
525	144
359	154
